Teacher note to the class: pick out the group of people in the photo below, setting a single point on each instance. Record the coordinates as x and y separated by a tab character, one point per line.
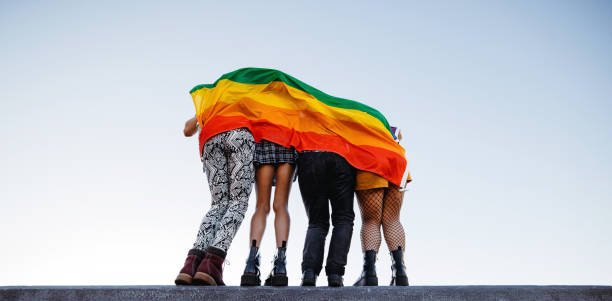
233	161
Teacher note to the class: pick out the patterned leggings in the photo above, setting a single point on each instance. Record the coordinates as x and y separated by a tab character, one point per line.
381	206
228	164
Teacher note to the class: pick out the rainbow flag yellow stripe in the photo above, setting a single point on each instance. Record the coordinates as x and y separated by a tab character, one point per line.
279	108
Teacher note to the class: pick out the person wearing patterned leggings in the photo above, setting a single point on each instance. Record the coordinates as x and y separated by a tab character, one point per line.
380	203
228	164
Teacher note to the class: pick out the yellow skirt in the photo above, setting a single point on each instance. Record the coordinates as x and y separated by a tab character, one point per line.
367	180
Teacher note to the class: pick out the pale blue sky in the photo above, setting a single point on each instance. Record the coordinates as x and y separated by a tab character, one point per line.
505	107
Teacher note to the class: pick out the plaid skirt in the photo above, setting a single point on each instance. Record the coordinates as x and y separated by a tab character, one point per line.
267	152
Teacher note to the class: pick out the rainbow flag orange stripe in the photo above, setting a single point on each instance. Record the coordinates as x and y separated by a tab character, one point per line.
278	107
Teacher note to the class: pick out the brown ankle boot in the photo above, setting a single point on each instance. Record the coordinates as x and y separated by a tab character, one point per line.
210	271
194	258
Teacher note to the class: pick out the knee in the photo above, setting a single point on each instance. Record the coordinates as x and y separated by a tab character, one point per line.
343	220
262	209
279	208
343	216
371	223
391	223
237	208
372	218
321	227
343	223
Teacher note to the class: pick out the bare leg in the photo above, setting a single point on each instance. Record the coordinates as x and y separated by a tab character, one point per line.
284	174
263	187
370	202
392	228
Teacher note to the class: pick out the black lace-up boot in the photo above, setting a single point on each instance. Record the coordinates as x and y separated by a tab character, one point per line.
368	275
309	278
250	277
398	270
335	280
278	275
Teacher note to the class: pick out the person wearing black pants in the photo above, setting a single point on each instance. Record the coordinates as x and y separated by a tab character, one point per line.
326	178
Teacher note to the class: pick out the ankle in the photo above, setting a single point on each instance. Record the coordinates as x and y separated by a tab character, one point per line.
282	245
216	251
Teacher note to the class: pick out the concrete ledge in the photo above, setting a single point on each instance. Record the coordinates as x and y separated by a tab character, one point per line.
67	293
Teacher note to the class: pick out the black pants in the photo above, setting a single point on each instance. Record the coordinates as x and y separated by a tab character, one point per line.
326	178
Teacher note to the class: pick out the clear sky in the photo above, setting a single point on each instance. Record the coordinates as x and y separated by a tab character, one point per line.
505	107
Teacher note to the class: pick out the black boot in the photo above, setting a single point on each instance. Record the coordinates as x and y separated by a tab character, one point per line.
368	275
334	280
278	275
309	278
250	277
398	270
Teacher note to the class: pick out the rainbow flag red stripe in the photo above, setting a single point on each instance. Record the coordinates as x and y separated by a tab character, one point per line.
280	108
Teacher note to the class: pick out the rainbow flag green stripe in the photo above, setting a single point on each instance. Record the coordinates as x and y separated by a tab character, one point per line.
264	76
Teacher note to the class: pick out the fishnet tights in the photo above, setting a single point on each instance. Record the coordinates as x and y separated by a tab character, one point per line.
392	228
381	206
370	205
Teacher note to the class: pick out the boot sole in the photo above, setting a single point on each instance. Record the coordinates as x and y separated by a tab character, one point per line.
371	281
203	279
250	280
183	279
308	283
401	281
278	280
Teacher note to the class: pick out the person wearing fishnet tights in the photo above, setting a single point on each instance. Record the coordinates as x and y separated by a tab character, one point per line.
380	203
380	207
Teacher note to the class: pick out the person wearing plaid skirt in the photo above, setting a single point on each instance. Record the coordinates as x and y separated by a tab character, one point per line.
275	164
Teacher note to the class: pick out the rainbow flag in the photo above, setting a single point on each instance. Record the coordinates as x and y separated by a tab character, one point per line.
280	108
